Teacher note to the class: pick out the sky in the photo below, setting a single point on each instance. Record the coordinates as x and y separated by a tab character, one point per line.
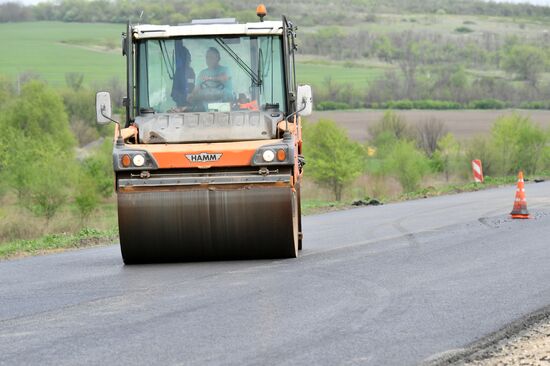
536	2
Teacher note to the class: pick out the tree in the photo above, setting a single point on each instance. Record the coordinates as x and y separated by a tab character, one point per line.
391	124
37	147
383	48
48	180
74	80
41	173
407	164
428	133
80	107
408	53
526	61
39	114
333	159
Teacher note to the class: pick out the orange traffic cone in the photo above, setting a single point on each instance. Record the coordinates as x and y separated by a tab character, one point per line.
520	204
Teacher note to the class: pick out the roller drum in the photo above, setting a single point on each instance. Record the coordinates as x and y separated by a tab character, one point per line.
210	223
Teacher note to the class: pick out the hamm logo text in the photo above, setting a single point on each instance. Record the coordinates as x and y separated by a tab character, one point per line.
202	157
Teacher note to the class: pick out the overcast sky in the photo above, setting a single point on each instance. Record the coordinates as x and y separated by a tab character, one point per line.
537	2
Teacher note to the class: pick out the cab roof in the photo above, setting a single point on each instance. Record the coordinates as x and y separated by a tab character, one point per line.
212	28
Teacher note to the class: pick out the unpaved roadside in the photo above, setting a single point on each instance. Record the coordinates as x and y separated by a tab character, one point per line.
531	347
525	342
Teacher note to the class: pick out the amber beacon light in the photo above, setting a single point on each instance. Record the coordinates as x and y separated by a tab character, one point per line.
261	12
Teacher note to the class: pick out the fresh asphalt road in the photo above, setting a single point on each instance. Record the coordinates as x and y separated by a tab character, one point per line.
388	285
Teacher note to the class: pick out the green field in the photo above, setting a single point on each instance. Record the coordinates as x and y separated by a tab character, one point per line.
53	49
316	74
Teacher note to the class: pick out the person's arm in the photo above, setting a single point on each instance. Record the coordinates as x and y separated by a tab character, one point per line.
190	80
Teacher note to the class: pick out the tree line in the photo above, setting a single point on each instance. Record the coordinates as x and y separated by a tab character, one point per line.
306	13
430	66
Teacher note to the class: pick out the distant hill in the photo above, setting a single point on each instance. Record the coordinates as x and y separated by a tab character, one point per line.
356	53
306	12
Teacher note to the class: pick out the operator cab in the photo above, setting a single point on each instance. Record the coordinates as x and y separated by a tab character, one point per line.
212	80
204	85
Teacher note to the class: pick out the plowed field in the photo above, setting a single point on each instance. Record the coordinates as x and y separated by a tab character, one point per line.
462	123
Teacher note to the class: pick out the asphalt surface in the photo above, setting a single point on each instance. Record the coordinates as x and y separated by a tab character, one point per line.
396	284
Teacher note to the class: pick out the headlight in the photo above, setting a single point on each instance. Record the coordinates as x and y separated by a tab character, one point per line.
138	160
268	155
127	159
276	154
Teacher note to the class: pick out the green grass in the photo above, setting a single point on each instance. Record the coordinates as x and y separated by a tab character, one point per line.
319	206
489	182
358	76
52	242
53	49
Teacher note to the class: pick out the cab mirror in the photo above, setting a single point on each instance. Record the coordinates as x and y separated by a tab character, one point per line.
103	107
305	100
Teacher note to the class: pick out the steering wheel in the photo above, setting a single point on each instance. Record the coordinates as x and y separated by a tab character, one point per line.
212	84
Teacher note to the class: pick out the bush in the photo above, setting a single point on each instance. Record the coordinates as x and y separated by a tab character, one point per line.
436	104
87	196
463	29
400	104
479	148
74	80
487	104
418	104
518	144
535	105
332	158
99	167
407	164
447	155
331	106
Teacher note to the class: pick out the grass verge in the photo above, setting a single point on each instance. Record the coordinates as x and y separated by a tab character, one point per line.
310	207
54	242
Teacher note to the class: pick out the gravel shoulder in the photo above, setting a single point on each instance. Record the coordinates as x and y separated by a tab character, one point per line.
524	342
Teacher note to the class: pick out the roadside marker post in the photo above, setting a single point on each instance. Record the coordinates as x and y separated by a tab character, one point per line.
477	170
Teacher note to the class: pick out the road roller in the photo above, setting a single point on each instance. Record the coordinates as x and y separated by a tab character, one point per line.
208	157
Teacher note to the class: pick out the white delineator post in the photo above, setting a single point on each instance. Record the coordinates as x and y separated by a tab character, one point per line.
477	170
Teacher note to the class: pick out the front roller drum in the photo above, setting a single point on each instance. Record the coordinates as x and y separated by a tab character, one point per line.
208	224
